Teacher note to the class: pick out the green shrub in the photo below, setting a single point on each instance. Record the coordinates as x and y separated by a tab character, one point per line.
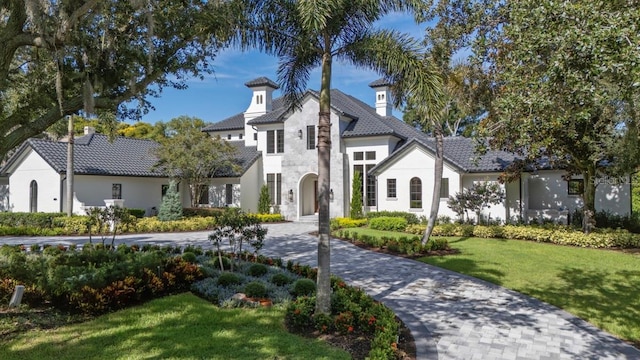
437	244
201	212
303	287
36	220
493	231
228	279
355	206
255	289
171	206
264	200
299	313
280	279
388	223
267	218
411	218
188	256
138	213
338	223
257	270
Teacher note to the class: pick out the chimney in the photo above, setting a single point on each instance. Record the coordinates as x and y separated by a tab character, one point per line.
261	103
88	130
384	106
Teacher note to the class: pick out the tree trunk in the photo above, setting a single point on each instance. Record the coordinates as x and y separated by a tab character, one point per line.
589	199
323	299
437	183
70	167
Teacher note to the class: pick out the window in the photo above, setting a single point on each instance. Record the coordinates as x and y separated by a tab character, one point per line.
116	191
203	194
370	155
444	188
228	194
255	136
165	188
391	188
575	186
228	136
311	137
274	184
275	141
240	136
258	99
280	141
358	155
33	196
371	187
415	192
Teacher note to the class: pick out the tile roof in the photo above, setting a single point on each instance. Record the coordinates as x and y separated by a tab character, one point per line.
379	83
262	81
95	155
235	122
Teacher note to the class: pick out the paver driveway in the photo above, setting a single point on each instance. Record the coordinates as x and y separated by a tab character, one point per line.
451	316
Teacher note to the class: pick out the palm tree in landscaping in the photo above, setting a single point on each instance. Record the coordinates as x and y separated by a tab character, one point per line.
306	34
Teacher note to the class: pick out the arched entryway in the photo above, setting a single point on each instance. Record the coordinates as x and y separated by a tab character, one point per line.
33	196
308	199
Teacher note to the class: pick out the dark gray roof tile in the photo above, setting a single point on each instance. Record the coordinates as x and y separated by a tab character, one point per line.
235	122
379	83
262	81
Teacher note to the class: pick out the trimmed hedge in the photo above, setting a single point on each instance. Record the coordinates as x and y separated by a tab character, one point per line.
340	222
38	220
267	218
388	223
410	217
600	238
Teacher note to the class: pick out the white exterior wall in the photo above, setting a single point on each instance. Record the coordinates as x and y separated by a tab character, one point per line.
229	135
493	212
546	193
137	192
299	165
417	162
250	184
34	167
218	192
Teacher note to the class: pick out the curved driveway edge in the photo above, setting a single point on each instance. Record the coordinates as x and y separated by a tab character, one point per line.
451	316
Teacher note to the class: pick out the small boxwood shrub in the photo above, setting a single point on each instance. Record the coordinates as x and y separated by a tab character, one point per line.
388	223
187	256
267	218
280	279
255	289
303	287
257	270
228	279
411	218
138	213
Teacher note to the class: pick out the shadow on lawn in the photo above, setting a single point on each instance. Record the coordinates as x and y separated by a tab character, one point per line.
604	298
186	327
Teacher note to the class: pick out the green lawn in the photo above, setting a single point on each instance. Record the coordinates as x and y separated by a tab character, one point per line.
600	286
175	327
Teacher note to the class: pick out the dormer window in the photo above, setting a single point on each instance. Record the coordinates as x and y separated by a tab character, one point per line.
259	99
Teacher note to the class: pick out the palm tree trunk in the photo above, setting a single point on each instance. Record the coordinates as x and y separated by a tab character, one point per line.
437	183
323	299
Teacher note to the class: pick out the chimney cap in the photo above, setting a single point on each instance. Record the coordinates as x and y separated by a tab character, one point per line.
380	83
262	81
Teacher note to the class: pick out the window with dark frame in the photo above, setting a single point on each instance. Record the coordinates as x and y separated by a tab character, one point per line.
228	136
280	141
391	188
274	184
575	187
203	195
311	137
228	194
358	155
255	136
240	136
415	192
271	141
444	188
371	187
116	191
370	155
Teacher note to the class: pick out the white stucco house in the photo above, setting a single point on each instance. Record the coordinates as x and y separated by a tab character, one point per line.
277	147
396	161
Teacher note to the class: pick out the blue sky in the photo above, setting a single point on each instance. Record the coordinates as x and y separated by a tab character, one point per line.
223	93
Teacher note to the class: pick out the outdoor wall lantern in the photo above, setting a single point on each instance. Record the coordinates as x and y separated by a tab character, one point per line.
331	194
300	133
290	194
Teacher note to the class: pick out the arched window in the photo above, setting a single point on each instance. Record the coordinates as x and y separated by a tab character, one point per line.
415	192
33	196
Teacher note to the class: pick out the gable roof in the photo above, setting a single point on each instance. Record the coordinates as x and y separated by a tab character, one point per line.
95	155
262	81
235	122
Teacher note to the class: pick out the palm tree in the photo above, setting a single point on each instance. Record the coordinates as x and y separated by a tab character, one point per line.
305	34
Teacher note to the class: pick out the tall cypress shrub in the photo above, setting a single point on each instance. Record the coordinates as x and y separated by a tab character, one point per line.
264	201
171	207
356	196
